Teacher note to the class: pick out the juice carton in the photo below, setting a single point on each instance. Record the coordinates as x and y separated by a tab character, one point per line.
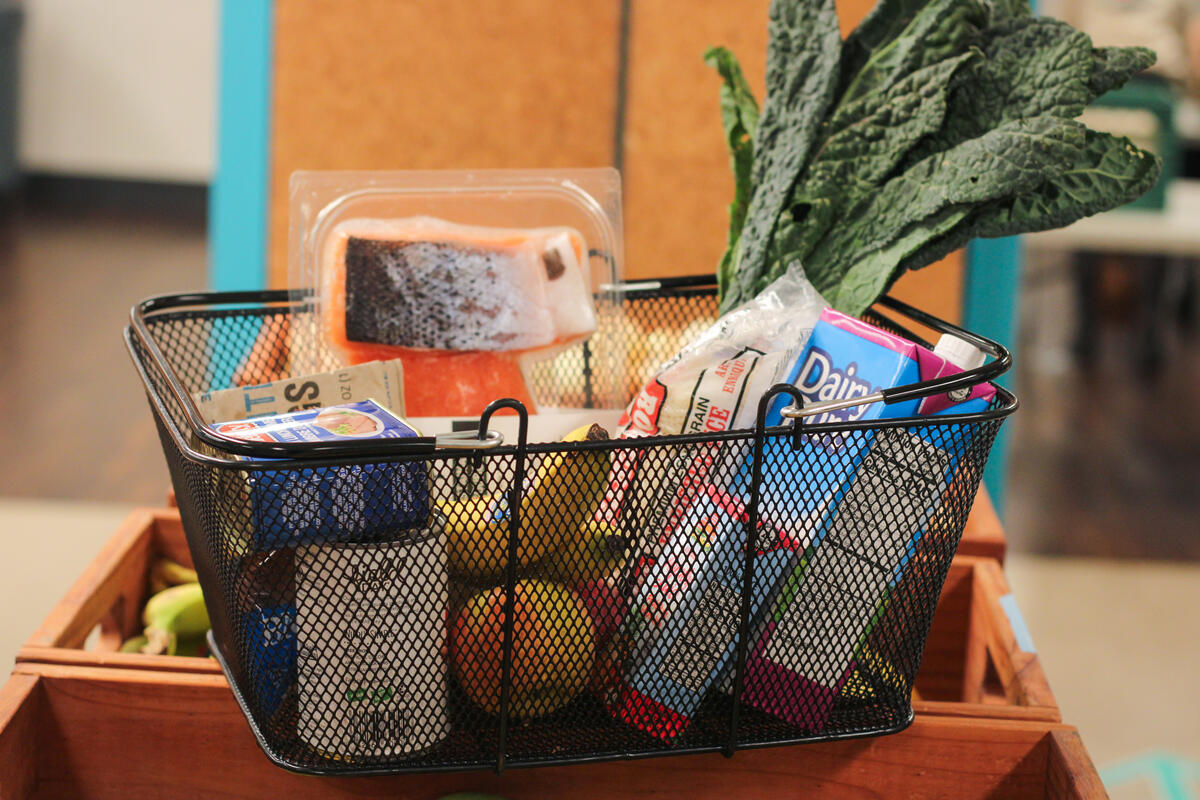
869	524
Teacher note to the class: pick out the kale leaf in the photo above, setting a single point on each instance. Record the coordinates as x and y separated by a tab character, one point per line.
936	121
862	144
1112	66
802	61
1106	172
1013	158
739	115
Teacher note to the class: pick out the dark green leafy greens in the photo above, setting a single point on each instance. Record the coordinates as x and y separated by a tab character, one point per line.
739	115
935	122
802	67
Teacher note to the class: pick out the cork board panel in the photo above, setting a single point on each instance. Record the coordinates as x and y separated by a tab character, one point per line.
851	12
418	84
677	180
937	289
676	171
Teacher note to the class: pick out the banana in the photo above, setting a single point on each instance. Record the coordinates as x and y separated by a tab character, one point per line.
196	647
156	583
134	644
562	496
597	553
159	642
174	613
166	572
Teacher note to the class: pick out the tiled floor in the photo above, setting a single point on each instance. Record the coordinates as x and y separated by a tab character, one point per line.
45	546
1120	645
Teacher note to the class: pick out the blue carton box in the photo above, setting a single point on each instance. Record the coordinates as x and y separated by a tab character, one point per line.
310	505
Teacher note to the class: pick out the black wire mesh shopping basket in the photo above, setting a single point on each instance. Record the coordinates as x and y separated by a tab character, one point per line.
459	602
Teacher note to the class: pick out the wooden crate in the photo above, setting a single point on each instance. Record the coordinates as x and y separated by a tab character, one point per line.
972	667
110	594
89	732
974	664
983	534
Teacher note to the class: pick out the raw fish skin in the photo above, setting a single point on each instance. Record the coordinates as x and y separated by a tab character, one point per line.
544	281
421	282
445	296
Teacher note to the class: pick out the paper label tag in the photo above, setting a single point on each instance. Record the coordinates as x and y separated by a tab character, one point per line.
720	392
382	380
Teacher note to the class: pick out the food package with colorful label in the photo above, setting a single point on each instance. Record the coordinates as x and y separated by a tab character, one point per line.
863	514
349	503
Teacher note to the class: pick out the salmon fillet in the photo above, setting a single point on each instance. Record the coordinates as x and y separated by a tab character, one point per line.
460	305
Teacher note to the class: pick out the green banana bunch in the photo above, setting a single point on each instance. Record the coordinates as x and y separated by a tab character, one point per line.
175	613
166	572
176	620
134	644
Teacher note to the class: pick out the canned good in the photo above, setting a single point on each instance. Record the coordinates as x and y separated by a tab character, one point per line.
371	631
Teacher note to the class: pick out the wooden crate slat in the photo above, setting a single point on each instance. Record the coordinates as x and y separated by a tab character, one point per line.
971	632
20	711
1020	672
983	534
102	732
1071	772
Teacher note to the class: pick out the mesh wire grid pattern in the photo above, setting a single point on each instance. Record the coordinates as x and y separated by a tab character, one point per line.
360	606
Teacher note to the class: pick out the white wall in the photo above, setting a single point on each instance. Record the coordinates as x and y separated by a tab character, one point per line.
119	88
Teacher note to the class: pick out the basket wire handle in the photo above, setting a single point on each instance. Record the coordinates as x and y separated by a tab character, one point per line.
751	552
510	572
483	439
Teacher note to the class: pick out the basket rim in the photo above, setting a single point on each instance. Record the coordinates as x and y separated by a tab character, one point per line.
244	455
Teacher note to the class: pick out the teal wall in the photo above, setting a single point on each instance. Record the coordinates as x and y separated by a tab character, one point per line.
991	291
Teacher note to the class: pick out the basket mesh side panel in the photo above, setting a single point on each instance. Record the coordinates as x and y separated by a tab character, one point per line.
629	345
369	613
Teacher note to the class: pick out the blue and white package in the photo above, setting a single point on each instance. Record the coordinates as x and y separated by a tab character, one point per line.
685	618
271	653
870	527
310	505
844	358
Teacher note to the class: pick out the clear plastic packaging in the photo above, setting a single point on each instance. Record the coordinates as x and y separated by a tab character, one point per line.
475	280
714	382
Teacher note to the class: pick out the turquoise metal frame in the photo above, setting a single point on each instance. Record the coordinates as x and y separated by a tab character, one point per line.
237	209
992	285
